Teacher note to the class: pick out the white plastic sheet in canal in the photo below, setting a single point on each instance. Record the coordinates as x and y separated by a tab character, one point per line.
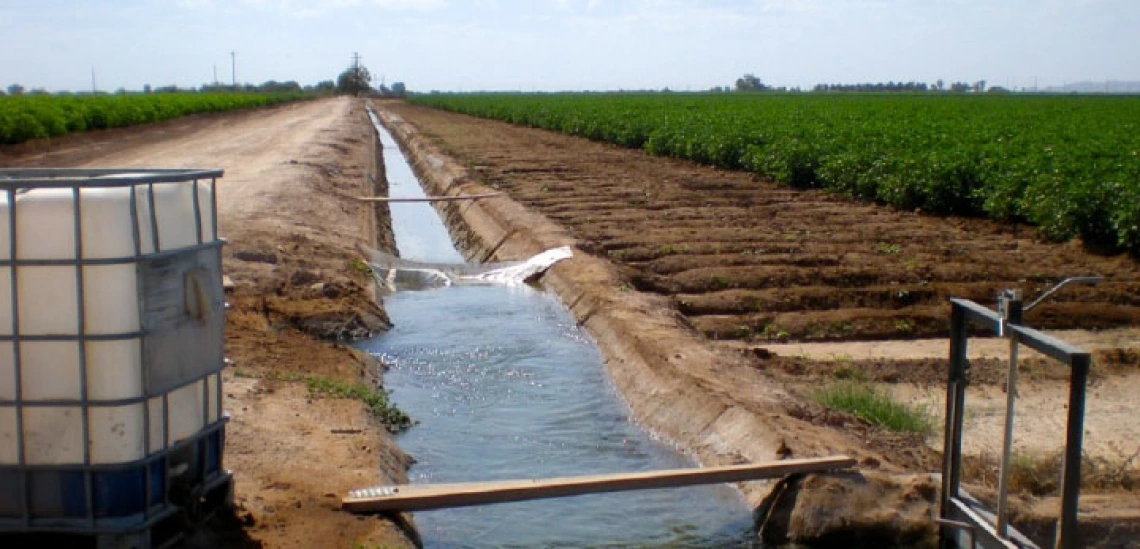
396	274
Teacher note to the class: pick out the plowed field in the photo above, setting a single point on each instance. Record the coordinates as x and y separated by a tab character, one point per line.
748	260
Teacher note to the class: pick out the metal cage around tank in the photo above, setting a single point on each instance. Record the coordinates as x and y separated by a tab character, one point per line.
136	435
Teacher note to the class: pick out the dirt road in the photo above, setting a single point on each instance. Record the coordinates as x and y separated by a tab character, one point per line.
286	212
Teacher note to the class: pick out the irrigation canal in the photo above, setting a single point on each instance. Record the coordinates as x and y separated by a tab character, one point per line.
506	385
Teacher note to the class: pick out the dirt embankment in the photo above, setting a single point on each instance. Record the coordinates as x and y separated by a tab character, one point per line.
674	259
286	209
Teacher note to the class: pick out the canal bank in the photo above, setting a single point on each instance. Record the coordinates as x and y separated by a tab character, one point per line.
709	402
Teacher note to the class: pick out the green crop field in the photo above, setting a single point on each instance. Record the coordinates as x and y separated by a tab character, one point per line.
26	117
1068	164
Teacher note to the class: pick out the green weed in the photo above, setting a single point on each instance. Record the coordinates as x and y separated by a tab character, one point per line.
873	405
376	400
889	249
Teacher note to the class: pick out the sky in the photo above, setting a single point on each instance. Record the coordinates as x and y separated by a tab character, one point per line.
456	45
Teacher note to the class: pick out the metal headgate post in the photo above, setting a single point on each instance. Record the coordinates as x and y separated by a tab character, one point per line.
1074	441
956	505
1011	311
955	401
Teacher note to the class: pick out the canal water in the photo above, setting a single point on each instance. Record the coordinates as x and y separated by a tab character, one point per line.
506	385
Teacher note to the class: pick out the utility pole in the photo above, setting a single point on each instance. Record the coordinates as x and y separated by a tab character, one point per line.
233	68
356	73
215	75
93	88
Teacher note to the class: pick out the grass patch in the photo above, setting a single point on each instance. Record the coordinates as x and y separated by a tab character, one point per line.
379	406
873	406
888	248
376	400
671	249
904	326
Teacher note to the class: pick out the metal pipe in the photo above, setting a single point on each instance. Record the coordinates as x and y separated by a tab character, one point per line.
81	342
959	419
153	219
1090	280
950	444
214	208
1067	536
46	178
136	236
70	262
971	535
1007	441
1011	308
21	450
197	213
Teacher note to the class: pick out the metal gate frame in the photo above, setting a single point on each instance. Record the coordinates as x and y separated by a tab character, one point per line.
958	507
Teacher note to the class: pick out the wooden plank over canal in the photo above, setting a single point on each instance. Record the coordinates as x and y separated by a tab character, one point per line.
411	497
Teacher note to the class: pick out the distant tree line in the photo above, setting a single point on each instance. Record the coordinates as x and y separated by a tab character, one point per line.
752	83
356	80
327	87
873	87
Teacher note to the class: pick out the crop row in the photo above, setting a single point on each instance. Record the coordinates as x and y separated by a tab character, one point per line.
1070	165
27	117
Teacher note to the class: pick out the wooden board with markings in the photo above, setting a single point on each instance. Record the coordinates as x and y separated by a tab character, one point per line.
411	497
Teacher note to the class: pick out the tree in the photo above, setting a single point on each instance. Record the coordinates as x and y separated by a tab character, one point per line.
750	82
273	86
398	89
325	87
15	89
354	80
960	87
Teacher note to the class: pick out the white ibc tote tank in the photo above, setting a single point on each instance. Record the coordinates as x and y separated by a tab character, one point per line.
73	360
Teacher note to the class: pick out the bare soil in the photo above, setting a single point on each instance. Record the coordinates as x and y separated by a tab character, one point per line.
757	270
286	210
